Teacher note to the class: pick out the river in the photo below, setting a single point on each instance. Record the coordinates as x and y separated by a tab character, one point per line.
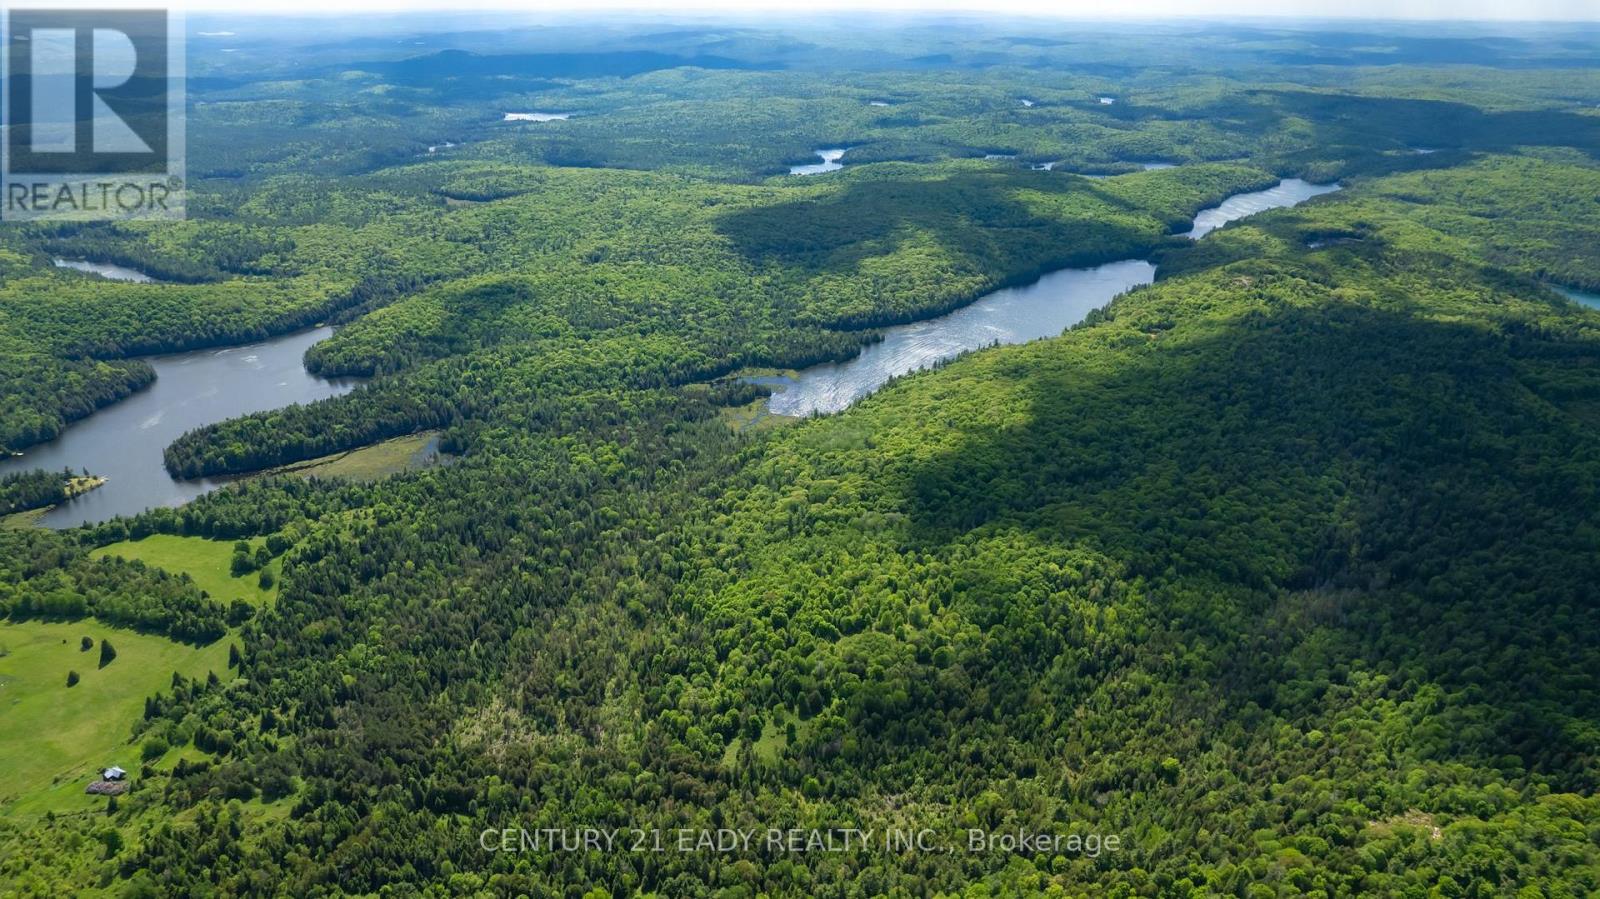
124	441
1044	308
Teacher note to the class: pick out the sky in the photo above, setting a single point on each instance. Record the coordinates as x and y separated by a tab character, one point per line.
1536	10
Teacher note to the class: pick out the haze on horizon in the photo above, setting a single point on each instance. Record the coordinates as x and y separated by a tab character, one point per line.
1499	10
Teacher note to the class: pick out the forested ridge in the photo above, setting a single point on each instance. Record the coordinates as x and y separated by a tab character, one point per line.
1279	569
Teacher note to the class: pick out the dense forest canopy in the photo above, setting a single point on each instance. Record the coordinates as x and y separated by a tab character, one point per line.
1280	571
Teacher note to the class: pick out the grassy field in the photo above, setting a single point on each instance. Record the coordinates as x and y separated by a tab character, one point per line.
26	519
774	739
55	738
206	561
370	463
754	416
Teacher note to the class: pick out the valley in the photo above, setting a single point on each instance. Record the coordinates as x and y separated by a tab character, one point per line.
834	426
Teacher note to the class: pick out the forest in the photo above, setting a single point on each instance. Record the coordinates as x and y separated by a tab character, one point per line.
24	490
1279	569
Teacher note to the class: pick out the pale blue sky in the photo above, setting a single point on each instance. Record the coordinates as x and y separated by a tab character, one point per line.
1567	10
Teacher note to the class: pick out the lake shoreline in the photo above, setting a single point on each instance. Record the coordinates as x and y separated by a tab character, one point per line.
816	389
892	337
125	441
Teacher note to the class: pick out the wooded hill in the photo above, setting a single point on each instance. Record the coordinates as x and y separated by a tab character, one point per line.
1280	569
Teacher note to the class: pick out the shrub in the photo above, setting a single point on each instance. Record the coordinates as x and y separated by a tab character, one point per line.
240	612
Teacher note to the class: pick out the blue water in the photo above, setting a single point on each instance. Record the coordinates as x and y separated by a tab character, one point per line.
1044	308
123	442
830	163
1012	315
1288	192
1592	300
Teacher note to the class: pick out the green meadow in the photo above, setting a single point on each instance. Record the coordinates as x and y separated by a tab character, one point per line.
54	739
370	463
206	562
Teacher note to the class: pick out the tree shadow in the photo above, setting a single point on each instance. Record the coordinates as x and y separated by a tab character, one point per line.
973	216
1322	488
1376	122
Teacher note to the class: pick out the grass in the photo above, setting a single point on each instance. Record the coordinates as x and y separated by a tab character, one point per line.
774	739
26	519
208	562
754	416
370	463
78	486
55	738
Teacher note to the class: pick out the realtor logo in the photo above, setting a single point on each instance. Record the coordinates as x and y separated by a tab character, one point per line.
92	113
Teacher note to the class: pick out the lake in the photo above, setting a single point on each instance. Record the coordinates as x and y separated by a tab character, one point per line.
1592	300
1288	192
537	116
1011	315
104	270
830	162
1044	308
123	442
1147	166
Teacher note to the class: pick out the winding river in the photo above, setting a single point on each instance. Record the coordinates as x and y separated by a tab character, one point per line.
123	442
1044	308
